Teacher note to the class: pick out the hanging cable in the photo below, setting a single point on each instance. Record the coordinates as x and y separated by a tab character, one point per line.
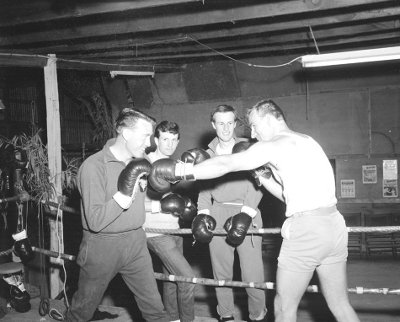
313	38
243	62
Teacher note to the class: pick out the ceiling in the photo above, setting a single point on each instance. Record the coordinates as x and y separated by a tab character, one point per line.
167	34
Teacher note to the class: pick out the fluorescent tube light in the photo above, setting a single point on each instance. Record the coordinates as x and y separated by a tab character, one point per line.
131	73
351	57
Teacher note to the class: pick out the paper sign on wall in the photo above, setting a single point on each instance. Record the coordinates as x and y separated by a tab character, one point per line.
389	179
369	174
347	188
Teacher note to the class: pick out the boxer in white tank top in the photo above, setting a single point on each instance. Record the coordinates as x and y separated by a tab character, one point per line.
315	235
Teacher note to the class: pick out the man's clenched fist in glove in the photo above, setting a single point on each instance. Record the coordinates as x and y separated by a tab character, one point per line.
179	206
128	181
167	171
238	225
202	228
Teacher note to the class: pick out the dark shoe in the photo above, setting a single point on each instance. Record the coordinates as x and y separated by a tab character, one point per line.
226	319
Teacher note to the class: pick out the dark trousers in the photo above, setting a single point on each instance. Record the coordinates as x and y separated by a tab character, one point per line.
100	258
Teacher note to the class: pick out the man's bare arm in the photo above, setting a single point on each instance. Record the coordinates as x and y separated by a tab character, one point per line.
273	187
257	155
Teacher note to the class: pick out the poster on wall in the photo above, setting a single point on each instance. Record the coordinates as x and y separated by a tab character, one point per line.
347	188
369	174
389	179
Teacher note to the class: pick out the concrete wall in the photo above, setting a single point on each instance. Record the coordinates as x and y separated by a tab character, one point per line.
353	111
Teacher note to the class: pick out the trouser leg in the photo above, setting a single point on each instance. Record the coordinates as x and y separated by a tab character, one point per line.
222	256
252	268
180	303
138	274
94	277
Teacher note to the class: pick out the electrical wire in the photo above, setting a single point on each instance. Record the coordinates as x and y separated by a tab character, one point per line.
241	61
187	37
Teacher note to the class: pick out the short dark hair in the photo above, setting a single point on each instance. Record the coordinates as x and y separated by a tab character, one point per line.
267	106
128	117
223	109
167	126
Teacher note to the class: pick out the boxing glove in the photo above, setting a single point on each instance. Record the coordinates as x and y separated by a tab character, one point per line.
22	247
194	156
263	171
202	228
19	299
20	159
128	181
238	225
162	174
172	203
189	211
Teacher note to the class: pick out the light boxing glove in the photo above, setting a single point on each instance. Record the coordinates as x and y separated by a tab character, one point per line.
263	171
22	247
238	225
202	228
128	181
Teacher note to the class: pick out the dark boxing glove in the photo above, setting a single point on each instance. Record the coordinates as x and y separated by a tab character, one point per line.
128	181
238	225
22	247
263	171
19	299
189	211
167	171
194	156
172	203
162	174
202	228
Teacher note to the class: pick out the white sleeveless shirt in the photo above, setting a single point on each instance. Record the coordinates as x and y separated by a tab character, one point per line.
307	177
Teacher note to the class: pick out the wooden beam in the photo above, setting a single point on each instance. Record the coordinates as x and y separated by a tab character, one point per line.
302	25
14	13
358	33
54	158
23	60
170	20
269	51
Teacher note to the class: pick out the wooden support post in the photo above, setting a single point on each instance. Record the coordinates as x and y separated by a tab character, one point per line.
54	156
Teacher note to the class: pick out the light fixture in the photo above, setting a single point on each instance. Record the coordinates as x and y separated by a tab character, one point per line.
114	73
351	57
2	106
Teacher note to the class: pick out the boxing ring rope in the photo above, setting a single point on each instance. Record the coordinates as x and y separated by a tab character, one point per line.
187	231
220	283
228	283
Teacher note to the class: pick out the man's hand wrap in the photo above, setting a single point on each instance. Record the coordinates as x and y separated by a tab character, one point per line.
238	225
202	228
128	181
263	171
